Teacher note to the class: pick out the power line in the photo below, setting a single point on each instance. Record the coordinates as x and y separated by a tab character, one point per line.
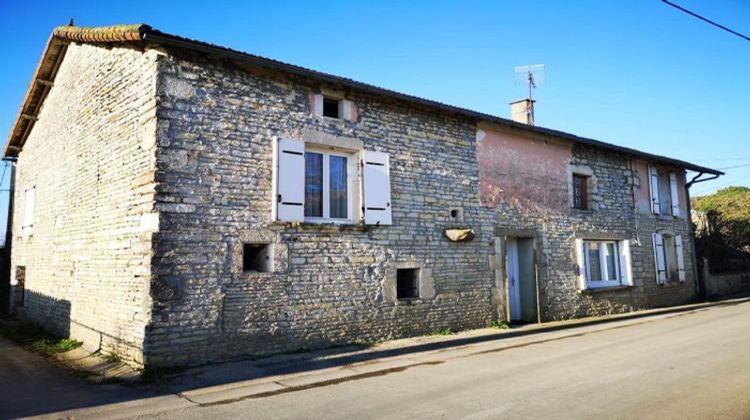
734	167
706	20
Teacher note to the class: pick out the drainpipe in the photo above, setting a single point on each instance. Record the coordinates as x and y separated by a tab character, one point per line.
5	275
700	284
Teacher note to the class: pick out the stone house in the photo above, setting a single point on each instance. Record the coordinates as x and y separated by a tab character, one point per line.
177	202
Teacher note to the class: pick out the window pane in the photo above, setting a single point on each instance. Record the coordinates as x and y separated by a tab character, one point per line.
665	194
579	192
671	257
338	194
313	184
595	271
612	256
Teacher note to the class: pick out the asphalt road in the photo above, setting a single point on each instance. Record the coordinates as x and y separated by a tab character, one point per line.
29	385
695	365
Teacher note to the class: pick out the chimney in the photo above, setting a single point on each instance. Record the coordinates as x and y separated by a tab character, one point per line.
522	111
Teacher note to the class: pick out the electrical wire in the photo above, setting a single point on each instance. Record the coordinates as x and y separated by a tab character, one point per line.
706	20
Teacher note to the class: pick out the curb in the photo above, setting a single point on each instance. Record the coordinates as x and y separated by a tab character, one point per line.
422	355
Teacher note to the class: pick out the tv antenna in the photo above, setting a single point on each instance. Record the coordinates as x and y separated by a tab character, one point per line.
531	75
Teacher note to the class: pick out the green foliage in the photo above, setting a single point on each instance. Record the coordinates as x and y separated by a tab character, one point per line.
500	325
728	214
34	339
443	331
113	358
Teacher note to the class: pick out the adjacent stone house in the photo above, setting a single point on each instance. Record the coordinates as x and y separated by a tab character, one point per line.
178	202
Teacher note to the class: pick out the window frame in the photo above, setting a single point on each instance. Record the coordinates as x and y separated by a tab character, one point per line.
351	176
584	191
604	282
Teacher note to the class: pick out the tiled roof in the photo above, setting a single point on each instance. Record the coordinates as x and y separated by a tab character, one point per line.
101	34
142	33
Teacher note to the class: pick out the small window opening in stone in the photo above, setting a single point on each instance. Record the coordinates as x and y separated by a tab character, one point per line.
407	283
456	214
256	257
330	108
20	290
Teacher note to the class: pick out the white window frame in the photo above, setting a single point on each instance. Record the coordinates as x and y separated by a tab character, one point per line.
622	263
352	175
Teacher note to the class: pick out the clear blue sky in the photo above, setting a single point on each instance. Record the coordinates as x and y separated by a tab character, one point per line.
636	73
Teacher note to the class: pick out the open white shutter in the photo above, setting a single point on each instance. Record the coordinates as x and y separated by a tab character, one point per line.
317	105
346	109
290	180
660	262
680	257
675	196
626	268
376	188
28	212
653	183
581	249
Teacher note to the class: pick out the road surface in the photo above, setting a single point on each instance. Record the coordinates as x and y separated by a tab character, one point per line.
694	365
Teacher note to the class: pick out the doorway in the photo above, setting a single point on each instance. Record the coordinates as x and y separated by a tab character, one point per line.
521	279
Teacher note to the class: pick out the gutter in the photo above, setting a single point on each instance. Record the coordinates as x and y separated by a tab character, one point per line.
700	284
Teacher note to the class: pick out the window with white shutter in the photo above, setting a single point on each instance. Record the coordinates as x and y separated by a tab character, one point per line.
660	259
28	212
680	258
626	266
580	259
376	188
653	184
290	180
603	263
674	195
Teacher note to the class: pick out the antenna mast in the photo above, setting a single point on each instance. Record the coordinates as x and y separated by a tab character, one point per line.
530	75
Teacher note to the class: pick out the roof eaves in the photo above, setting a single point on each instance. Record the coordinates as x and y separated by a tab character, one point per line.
204	47
144	33
46	71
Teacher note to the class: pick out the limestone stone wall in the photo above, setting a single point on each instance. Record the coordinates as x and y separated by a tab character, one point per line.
330	284
91	160
614	189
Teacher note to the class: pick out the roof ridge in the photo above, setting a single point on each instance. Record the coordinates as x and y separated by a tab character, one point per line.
113	33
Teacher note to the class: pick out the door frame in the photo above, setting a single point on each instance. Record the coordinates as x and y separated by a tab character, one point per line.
503	235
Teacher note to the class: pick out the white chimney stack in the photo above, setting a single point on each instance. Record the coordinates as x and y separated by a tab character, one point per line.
522	111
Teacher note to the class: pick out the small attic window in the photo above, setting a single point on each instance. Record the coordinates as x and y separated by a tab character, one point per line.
330	107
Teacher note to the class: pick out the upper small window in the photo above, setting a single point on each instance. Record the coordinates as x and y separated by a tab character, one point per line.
330	107
580	192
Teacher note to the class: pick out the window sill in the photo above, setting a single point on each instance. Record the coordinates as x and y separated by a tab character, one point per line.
602	289
325	226
672	283
410	301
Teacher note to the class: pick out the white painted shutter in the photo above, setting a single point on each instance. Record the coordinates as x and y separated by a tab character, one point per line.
290	180
675	196
680	257
376	188
346	110
626	268
660	262
317	105
653	183
581	249
28	211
